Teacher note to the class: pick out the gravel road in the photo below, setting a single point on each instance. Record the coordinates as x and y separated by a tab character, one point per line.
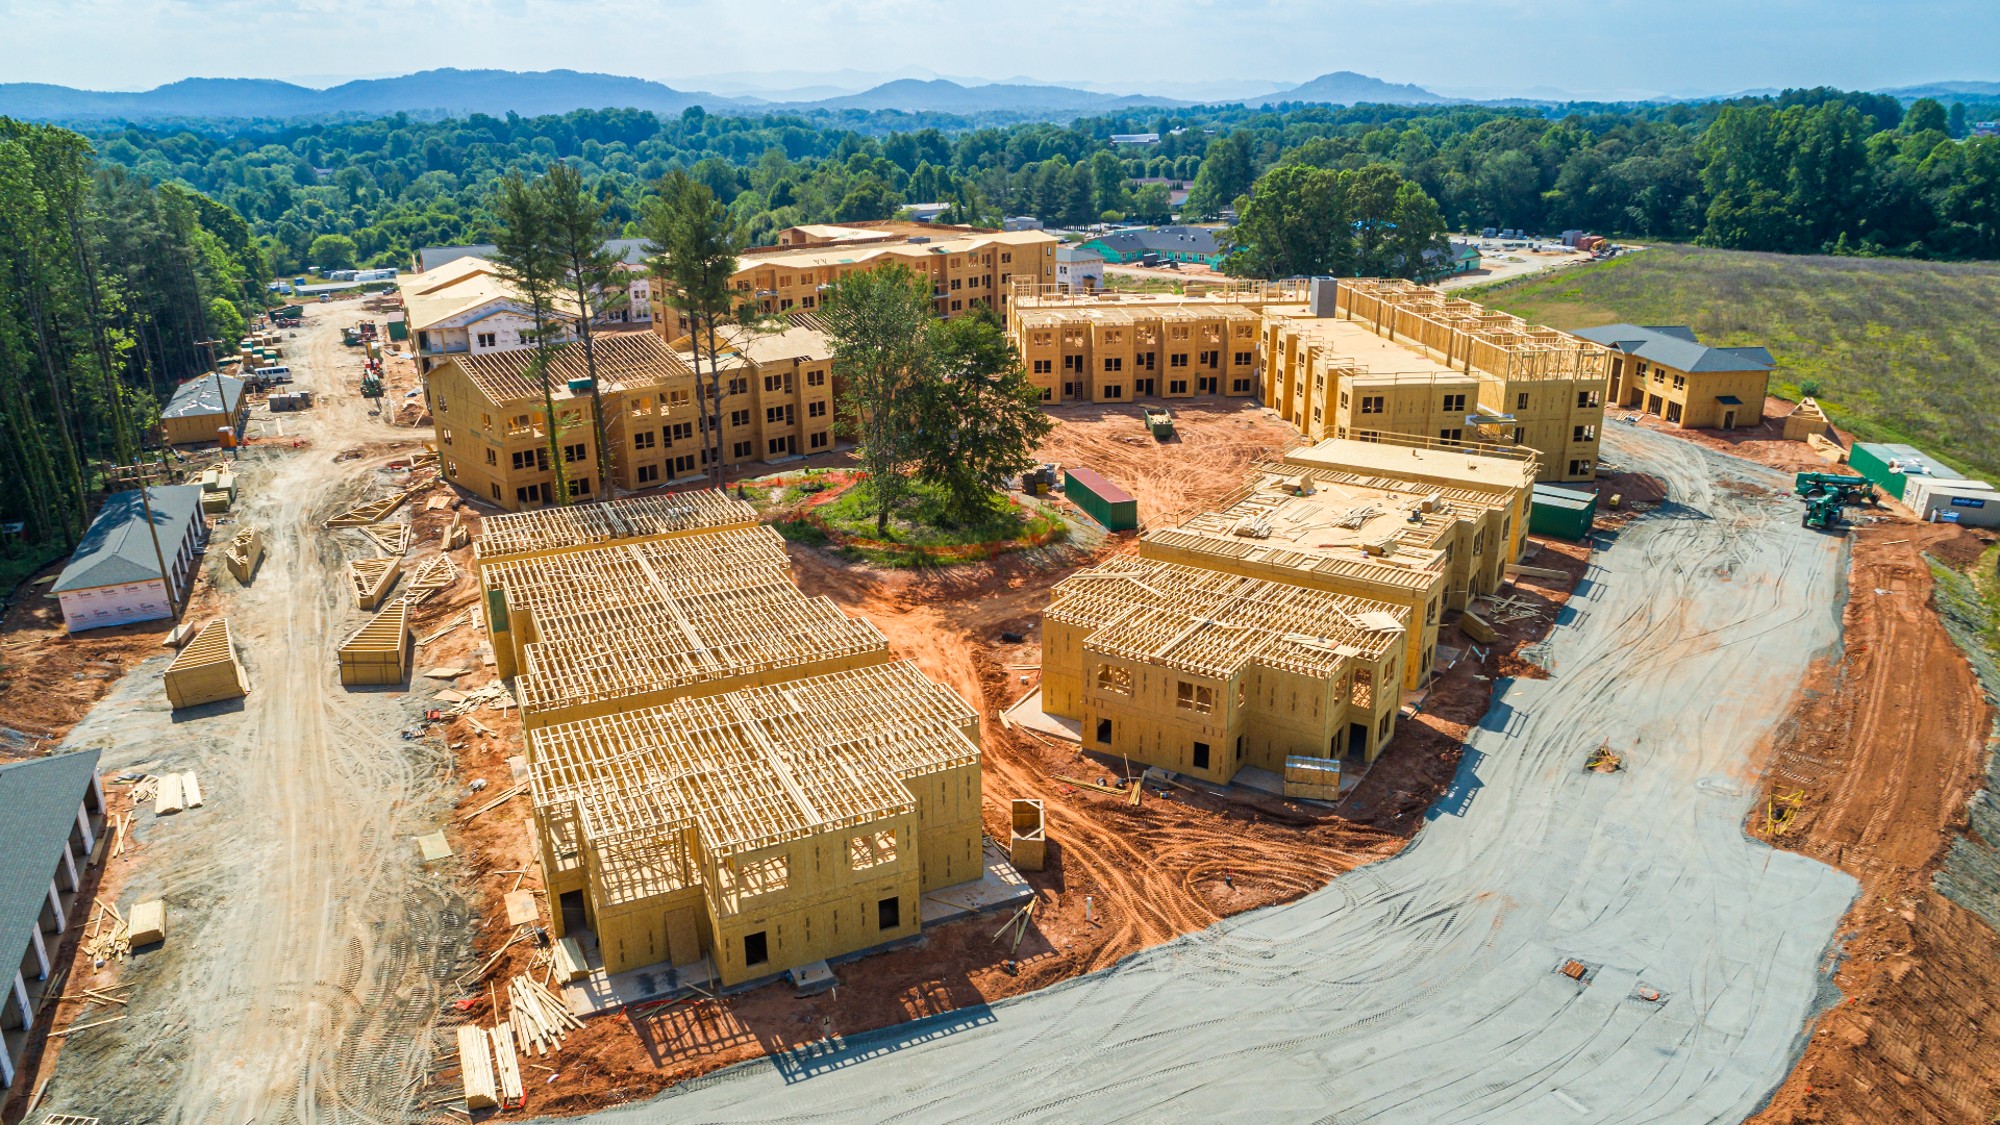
1425	988
302	971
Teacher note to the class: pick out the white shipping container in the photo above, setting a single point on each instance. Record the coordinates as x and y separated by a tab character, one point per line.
1971	502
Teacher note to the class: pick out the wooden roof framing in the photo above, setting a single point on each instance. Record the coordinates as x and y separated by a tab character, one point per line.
1214	623
205	670
372	512
392	538
1467	335
522	534
437	573
747	770
372	578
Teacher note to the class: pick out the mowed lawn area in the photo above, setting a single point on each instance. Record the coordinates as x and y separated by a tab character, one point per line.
1901	351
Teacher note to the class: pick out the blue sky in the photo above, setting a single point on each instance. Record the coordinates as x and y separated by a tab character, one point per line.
1475	47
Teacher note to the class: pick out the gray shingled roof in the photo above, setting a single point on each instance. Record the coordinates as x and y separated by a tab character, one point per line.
1161	240
631	251
38	802
118	548
197	397
1675	346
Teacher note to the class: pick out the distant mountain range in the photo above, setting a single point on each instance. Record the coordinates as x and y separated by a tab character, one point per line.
458	92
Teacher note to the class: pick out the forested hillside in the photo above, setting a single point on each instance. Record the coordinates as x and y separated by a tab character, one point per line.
1810	171
107	283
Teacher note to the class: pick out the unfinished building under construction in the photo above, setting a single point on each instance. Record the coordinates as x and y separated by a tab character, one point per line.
1090	348
1204	672
1416	524
722	767
765	828
1367	356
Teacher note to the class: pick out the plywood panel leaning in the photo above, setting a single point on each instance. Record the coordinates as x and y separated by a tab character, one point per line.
1028	845
206	670
380	652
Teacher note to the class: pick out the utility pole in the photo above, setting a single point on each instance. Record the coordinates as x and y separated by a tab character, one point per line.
166	579
221	398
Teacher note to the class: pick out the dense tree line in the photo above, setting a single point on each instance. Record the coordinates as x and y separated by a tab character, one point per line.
1810	170
110	289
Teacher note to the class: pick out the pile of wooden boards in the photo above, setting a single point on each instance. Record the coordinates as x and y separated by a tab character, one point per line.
380	652
245	552
1510	608
173	792
540	1019
475	1068
107	938
148	924
455	535
206	671
372	579
1312	779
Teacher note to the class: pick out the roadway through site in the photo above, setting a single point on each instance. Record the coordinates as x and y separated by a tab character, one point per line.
1428	987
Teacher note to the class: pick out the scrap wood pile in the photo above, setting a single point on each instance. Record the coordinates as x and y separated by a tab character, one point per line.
107	938
1510	608
539	1018
494	694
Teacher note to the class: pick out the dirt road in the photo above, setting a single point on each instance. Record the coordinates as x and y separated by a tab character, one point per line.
1425	988
306	947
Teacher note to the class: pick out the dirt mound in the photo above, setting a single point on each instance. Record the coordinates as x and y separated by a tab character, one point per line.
1883	749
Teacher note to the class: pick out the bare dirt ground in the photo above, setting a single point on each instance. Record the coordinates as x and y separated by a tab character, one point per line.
1215	441
306	947
1884	747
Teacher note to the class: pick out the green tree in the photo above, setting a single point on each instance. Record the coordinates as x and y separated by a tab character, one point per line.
1926	115
526	256
1226	172
978	418
577	229
1295	224
1152	204
880	325
332	252
692	257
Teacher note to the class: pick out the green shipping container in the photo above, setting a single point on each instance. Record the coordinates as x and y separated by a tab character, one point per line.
1888	466
1103	501
1561	513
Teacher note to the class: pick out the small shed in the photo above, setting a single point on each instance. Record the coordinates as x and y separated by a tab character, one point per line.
1561	513
1103	501
1891	466
201	408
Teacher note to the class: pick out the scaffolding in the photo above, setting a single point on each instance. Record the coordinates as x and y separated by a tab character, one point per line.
524	534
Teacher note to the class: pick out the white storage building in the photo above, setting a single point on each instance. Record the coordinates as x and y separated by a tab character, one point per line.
114	576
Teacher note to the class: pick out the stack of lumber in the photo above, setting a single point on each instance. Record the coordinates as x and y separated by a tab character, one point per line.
434	575
148	924
475	1066
380	652
455	536
567	956
1312	779
393	538
540	1019
169	797
245	552
507	1066
372	579
206	670
372	512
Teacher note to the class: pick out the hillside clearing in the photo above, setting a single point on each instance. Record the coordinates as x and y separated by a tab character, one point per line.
1900	350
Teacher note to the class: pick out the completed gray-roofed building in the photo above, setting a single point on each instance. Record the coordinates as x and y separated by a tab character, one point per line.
114	576
1663	370
51	815
1163	244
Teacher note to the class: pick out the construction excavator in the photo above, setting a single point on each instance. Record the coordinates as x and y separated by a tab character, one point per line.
1829	495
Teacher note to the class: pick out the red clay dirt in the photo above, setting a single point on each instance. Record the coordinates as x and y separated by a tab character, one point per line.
1885	745
1119	879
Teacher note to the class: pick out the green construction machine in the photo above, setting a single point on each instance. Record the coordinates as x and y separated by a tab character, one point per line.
1159	420
1829	495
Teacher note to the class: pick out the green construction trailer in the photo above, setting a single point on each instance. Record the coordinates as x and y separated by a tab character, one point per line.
1101	500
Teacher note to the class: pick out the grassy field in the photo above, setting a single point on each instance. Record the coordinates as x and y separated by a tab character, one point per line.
922	530
1901	351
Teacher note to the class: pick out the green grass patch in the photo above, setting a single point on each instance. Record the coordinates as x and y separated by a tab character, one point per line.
1902	351
923	528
